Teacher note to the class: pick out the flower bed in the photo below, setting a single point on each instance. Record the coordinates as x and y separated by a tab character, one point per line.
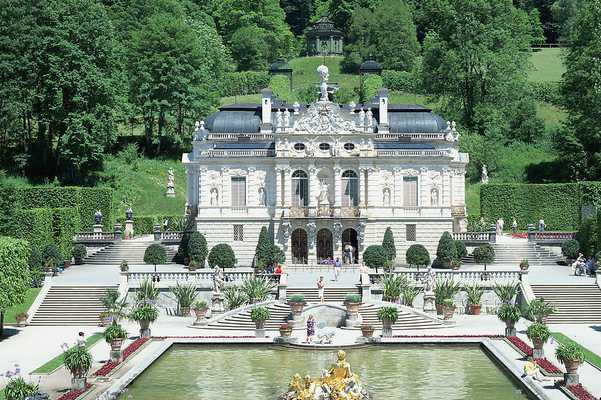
447	336
575	391
129	350
73	394
203	337
520	235
547	367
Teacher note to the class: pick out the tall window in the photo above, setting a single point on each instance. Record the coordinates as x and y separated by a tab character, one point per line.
300	189
238	191
350	189
410	191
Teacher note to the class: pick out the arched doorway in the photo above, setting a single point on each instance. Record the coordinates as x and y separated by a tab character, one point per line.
325	248
349	236
299	247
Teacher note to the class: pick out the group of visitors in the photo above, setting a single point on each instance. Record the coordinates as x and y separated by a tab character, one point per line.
584	266
500	224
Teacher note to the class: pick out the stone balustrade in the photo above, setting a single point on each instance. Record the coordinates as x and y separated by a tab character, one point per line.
234	137
550	237
239	153
395	137
476	238
465	278
413	153
204	278
95	237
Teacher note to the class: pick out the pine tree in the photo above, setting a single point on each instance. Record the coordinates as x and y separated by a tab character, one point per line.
263	249
446	251
388	245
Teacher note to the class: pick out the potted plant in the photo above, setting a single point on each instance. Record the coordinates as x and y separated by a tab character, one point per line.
17	389
474	298
78	361
200	309
352	302
115	335
367	330
539	334
66	263
192	265
388	316
144	314
392	287
507	292
185	295
124	266
570	355
285	330
524	264
259	315
444	289
297	304
448	309
408	295
79	252
105	319
115	308
538	310
455	264
21	318
510	314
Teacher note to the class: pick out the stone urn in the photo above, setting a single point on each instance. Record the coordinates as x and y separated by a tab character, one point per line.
185	311
200	313
285	330
144	329
352	309
510	328
21	319
78	383
474	309
438	309
524	265
571	376
260	328
296	308
537	351
116	354
105	319
448	312
386	328
367	331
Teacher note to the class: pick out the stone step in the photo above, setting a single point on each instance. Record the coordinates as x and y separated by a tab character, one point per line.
578	304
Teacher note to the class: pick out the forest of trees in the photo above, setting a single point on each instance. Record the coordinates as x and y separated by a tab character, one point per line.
75	73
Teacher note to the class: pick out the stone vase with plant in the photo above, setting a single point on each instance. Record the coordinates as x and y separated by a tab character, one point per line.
259	315
524	264
78	361
79	252
200	308
444	289
114	335
285	330
474	298
510	314
408	295
367	330
352	302
571	356
448	309
538	333
185	296
297	304
388	316
144	314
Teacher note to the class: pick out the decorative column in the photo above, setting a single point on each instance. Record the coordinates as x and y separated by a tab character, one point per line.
313	188
337	190
311	239
287	186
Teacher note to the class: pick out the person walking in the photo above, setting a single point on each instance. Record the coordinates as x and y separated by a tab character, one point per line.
337	268
310	329
514	226
541	225
321	286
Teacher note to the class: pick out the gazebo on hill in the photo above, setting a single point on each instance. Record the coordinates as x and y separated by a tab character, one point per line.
323	39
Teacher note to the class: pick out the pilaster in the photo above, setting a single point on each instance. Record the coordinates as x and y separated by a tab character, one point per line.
313	186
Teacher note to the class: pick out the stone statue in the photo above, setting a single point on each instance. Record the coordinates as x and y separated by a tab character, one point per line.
484	178
262	201
286	118
214	196
429	280
387	197
324	75
362	117
322	197
278	119
218	280
129	214
296	107
311	230
98	217
434	198
170	183
369	115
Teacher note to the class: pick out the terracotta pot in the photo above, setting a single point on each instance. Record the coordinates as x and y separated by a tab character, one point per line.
367	330
116	344
286	332
386	328
448	312
185	311
67	264
474	309
537	343
439	309
297	307
571	366
260	324
200	313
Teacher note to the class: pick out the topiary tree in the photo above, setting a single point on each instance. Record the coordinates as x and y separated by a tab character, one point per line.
570	249
460	249
197	248
484	254
14	274
375	256
388	244
263	249
223	256
274	255
52	256
446	251
417	255
155	254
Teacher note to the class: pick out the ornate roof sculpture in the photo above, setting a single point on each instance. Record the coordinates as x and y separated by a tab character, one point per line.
323	27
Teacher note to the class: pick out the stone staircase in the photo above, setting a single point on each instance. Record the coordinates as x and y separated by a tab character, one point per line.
130	250
575	304
331	294
71	305
241	321
514	252
407	319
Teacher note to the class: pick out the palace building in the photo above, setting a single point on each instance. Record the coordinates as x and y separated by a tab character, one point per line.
322	175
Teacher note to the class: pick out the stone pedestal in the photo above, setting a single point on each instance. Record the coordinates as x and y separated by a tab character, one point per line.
217	304
145	332
538	353
170	191
571	379
260	333
97	228
429	303
116	355
129	229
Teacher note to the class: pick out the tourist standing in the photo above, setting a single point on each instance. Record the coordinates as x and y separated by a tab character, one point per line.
337	268
541	225
514	226
81	339
321	285
310	329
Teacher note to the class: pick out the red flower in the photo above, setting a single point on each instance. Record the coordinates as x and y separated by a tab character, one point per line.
129	350
579	392
73	394
547	365
520	345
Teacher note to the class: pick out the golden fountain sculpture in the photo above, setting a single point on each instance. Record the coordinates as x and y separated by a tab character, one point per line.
337	383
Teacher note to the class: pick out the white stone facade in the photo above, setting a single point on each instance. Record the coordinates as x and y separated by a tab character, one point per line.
323	176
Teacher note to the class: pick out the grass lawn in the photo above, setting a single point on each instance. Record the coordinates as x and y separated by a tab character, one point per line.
547	65
58	360
10	314
589	356
472	198
304	72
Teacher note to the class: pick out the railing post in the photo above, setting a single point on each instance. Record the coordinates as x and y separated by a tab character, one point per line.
282	286
117	232
365	287
156	230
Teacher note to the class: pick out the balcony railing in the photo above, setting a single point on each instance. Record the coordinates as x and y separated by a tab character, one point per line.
198	277
234	137
324	212
464	278
550	237
94	237
476	237
238	153
394	137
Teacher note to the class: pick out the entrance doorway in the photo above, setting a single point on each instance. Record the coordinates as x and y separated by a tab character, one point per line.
349	236
299	247
325	248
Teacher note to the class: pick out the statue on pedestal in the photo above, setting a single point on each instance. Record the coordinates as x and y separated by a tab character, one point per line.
170	183
218	280
324	74
484	177
129	214
429	281
323	202
98	217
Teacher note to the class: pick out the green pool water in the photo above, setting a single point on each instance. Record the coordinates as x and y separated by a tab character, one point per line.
390	372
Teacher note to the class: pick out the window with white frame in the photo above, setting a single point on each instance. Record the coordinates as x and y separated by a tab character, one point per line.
238	191
239	233
410	191
300	189
350	189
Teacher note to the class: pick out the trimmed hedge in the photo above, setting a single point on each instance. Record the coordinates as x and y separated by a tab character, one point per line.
244	82
401	81
65	224
35	226
558	204
14	272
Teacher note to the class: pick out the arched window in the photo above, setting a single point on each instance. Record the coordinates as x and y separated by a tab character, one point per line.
300	189
350	189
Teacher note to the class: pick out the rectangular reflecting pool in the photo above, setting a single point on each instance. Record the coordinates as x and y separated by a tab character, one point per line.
411	372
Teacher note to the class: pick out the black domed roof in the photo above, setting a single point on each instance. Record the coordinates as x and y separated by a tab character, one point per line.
279	66
323	27
415	121
370	66
237	118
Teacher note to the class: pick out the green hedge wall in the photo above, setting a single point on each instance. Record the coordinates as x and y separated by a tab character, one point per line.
65	223
558	204
15	279
86	200
401	81
34	225
244	82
